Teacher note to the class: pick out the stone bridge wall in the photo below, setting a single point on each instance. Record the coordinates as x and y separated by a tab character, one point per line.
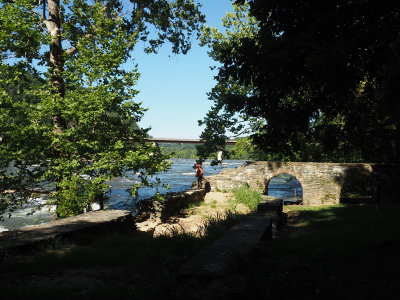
321	182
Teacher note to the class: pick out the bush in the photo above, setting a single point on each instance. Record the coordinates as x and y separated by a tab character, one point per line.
248	196
76	194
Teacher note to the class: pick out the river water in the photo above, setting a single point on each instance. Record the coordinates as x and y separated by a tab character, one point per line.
180	178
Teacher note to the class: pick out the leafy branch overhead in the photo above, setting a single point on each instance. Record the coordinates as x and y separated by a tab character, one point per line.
315	80
67	86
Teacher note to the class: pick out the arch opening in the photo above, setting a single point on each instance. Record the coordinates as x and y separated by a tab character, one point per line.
287	187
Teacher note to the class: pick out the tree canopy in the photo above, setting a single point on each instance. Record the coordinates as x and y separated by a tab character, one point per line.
68	118
315	80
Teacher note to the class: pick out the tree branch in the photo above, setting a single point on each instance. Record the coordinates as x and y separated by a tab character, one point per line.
39	14
73	50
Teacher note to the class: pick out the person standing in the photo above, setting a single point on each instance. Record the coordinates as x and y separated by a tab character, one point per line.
199	175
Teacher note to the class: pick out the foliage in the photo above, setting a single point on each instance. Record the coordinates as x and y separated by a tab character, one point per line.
76	194
245	149
238	25
248	196
68	113
315	81
179	150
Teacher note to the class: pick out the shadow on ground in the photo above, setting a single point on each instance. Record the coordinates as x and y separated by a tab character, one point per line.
341	251
333	252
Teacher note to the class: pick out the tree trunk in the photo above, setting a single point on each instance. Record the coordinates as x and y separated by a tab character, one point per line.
56	64
56	50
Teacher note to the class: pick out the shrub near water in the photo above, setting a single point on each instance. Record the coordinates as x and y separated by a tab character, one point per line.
248	196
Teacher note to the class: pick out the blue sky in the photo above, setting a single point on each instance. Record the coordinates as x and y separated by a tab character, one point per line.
174	87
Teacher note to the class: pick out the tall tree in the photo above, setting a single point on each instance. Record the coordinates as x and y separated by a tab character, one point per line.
75	128
321	77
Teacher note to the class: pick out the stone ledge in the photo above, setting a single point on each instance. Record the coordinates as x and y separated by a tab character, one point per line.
103	220
162	210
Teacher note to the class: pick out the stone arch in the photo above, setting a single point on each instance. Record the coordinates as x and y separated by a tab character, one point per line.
321	182
270	176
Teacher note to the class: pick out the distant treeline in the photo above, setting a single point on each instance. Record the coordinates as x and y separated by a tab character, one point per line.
179	150
243	150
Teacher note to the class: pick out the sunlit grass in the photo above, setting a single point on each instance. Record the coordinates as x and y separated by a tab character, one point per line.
247	196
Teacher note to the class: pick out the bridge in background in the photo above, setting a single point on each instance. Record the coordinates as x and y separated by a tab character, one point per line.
184	141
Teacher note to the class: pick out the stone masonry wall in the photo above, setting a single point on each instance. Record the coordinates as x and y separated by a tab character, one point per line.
321	182
152	213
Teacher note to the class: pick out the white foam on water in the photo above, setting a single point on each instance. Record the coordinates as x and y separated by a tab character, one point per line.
126	180
22	217
95	206
231	164
34	206
2	229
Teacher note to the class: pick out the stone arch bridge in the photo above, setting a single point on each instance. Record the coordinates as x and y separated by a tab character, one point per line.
322	183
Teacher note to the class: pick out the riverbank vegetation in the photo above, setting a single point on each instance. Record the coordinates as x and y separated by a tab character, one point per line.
340	251
247	196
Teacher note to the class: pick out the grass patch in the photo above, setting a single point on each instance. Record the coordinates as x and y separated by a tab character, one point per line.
344	252
110	266
337	229
247	196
